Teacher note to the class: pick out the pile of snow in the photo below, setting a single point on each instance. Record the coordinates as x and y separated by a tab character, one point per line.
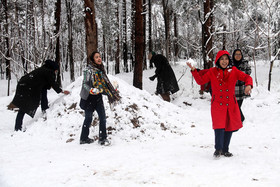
139	115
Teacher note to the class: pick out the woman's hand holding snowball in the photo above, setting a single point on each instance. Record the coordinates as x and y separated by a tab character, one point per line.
190	66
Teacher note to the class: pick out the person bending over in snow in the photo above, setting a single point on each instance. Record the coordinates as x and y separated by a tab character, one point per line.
224	108
167	82
30	88
96	83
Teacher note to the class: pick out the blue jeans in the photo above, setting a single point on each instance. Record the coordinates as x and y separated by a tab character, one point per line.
88	119
222	139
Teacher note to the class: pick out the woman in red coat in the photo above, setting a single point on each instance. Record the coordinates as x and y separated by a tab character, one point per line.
224	107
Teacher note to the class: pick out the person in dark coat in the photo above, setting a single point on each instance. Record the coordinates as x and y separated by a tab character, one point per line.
167	83
240	63
96	83
29	90
224	108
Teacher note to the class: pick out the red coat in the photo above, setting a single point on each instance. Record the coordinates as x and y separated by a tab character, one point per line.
204	87
224	108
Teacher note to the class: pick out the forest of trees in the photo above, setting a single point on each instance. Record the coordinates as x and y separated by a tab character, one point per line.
67	31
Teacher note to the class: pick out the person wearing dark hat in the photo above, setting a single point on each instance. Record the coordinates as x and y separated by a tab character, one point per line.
167	83
240	63
224	108
29	90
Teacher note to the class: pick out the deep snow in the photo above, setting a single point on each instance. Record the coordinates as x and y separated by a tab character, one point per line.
154	143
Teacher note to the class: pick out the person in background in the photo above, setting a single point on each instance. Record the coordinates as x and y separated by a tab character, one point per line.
206	87
30	88
240	63
224	108
95	83
167	82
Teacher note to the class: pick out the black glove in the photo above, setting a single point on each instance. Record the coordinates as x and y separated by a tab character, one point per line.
152	78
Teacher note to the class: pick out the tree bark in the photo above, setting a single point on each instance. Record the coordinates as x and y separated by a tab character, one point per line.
144	32
207	30
224	37
139	45
150	30
8	55
69	4
117	56
166	16
176	46
57	29
91	28
20	44
124	38
133	33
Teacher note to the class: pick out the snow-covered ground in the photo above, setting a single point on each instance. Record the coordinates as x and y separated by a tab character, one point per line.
154	143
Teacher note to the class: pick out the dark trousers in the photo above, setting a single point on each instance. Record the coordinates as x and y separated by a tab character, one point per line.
88	119
241	113
44	99
44	106
222	139
19	118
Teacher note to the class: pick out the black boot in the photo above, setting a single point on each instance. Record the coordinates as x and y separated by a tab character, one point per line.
87	141
104	142
217	153
227	154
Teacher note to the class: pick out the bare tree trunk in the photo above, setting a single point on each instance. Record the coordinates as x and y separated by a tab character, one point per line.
33	32
1	49
57	30
26	44
207	30
133	33
270	69
144	32
277	46
117	56
269	46
8	55
124	38
150	30
139	45
69	5
224	37
166	16
254	51
91	28
176	46
20	44
42	5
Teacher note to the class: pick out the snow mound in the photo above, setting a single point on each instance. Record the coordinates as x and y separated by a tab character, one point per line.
139	116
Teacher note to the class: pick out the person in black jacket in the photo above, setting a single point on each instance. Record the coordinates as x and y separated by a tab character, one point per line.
167	82
30	87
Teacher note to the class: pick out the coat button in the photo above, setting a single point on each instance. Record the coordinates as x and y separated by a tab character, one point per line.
221	90
221	104
221	97
227	104
220	84
227	90
227	97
